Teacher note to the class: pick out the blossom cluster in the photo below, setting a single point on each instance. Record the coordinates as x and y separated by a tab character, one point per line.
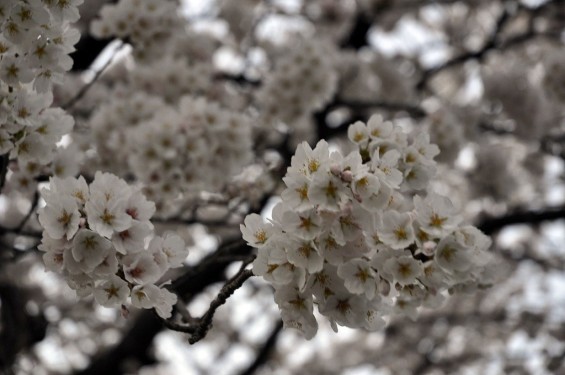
99	237
35	43
362	236
177	151
146	23
302	81
171	78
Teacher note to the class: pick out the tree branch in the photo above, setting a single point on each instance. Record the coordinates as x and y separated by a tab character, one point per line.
136	343
265	351
97	75
490	225
4	162
493	42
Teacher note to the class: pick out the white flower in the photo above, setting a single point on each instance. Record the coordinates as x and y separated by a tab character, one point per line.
139	297
108	266
60	217
386	167
90	249
5	142
172	246
308	161
436	214
404	269
107	216
131	240
163	302
296	310
139	208
296	193
65	9
327	191
359	277
27	106
304	254
378	128
107	186
33	147
365	186
66	161
256	231
344	309
452	257
273	265
396	230
14	70
151	296
305	225
418	176
113	292
68	186
54	260
358	133
141	269
53	123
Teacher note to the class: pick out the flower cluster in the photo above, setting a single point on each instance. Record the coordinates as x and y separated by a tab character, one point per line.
303	80
97	237
177	152
171	78
35	42
146	23
361	236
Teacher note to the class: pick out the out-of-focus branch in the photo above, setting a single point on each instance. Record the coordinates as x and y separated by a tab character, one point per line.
20	330
413	109
97	75
357	38
489	225
30	212
265	351
87	50
494	42
4	161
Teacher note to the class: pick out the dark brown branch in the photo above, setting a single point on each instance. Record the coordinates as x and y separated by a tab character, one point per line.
493	42
265	351
30	212
20	330
489	225
357	38
4	161
206	321
97	75
87	50
200	327
412	109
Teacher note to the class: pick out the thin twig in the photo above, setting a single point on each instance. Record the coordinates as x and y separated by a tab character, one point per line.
199	329
228	289
97	75
493	42
263	354
31	210
413	109
4	161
